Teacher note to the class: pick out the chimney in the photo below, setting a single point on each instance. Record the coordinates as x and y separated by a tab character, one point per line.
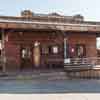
27	13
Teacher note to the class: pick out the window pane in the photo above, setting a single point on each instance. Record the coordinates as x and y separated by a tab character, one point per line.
81	50
55	49
26	53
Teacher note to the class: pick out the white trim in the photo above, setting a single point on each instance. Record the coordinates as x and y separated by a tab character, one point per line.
65	53
49	23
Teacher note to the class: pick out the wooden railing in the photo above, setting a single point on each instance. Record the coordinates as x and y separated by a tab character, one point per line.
87	60
82	64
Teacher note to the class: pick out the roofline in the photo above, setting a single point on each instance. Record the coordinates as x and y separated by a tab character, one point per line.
48	23
20	18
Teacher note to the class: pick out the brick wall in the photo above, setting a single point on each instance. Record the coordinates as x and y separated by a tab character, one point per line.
12	53
15	40
88	39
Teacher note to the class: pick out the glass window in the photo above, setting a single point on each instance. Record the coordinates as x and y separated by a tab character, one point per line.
81	50
26	53
55	49
72	50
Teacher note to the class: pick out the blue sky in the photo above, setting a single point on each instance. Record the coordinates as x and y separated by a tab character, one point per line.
90	9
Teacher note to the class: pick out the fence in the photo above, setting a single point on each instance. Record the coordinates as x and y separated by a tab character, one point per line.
88	60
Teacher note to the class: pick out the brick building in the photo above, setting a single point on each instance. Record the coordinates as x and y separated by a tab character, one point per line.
44	40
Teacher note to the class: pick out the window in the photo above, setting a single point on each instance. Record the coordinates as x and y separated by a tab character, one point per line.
55	49
45	50
81	50
50	49
77	50
25	53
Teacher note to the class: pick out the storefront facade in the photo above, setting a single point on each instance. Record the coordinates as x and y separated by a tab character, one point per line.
37	41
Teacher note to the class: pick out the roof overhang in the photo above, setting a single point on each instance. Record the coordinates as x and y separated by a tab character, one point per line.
5	24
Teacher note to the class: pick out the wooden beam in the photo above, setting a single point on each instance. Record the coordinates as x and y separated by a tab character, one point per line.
51	26
3	52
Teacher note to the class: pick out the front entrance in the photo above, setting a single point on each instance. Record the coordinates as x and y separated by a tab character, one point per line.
26	58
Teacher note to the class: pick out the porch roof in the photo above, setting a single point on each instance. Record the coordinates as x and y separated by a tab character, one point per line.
20	23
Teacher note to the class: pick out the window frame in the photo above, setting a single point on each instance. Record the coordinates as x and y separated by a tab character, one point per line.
84	50
58	48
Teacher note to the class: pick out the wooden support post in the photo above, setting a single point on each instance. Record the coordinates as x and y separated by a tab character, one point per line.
66	59
3	52
65	44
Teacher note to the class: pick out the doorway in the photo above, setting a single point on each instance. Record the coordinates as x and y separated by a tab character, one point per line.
30	57
26	58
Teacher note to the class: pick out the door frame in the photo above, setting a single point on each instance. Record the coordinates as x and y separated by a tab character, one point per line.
21	59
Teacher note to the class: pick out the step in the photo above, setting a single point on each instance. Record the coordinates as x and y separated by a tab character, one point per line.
37	76
77	67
